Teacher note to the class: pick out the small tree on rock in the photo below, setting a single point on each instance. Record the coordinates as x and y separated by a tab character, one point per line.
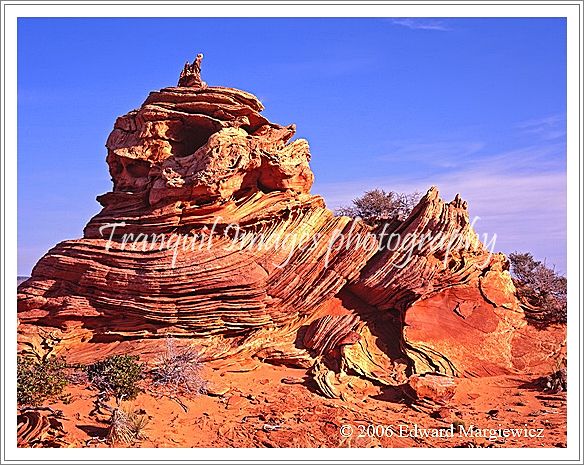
541	287
377	206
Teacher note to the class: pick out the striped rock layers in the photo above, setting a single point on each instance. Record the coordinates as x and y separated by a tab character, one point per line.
210	230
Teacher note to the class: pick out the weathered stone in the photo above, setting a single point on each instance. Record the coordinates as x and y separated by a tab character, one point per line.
262	259
438	389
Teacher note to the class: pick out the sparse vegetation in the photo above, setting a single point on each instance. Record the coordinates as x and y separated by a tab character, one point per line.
554	382
126	426
377	206
117	376
557	381
178	370
40	379
541	288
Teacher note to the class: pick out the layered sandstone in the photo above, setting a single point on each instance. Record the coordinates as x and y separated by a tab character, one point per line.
267	269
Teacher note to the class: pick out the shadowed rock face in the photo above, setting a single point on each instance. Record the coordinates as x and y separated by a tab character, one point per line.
272	271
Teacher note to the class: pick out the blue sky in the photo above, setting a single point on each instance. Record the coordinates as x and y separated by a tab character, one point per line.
475	106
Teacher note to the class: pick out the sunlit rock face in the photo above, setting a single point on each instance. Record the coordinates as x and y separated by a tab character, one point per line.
210	231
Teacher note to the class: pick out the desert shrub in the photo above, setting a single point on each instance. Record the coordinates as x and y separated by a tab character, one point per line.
178	370
377	206
117	376
554	382
541	287
76	374
39	379
126	426
557	381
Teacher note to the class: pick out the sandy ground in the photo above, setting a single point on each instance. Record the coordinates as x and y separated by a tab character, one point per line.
275	406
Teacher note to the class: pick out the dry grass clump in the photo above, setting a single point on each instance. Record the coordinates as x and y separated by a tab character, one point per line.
178	370
126	427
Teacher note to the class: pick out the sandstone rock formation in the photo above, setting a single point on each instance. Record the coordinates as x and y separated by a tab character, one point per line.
191	74
38	428
211	233
430	393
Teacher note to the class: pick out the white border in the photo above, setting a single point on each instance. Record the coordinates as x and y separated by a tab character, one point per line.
300	9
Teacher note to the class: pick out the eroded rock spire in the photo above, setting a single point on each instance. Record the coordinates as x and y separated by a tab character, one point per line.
190	76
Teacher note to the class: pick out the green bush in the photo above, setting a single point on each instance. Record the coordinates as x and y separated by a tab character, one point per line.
117	376
39	380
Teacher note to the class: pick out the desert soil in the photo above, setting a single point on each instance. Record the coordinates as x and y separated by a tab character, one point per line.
275	406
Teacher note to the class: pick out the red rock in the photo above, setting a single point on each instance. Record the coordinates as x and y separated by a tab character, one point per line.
196	160
329	332
438	389
40	428
290	380
236	402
